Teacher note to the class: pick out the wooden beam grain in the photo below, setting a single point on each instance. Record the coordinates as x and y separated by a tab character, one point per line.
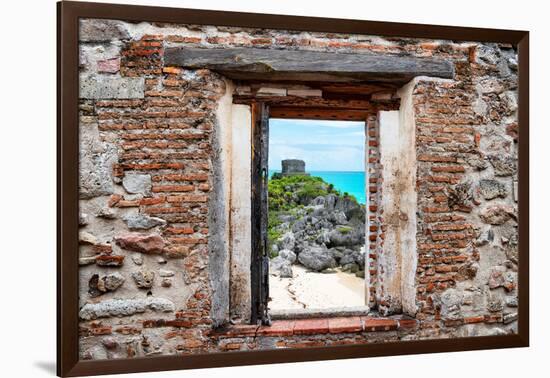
268	64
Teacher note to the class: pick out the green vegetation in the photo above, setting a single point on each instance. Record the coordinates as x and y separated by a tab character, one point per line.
287	195
344	229
289	192
273	233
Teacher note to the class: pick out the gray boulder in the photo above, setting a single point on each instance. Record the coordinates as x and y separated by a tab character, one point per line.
299	225
346	204
347	236
359	257
318	201
316	258
281	266
352	268
287	241
323	237
347	258
288	255
338	217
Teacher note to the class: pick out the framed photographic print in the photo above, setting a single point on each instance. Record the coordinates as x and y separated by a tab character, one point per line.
240	188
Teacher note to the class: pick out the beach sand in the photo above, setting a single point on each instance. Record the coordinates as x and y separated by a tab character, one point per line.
313	290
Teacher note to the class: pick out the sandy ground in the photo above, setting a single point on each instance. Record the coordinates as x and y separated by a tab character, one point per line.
313	290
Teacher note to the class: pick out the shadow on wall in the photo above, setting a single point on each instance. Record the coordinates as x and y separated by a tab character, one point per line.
47	366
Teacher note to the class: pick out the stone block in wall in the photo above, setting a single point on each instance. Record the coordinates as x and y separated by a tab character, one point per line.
106	87
142	222
136	183
125	307
96	162
92	30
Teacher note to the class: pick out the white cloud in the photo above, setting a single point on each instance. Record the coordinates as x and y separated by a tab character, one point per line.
323	145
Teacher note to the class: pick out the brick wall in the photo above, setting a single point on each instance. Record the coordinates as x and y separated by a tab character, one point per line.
147	142
375	220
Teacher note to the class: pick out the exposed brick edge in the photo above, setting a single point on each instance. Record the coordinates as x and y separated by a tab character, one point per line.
355	324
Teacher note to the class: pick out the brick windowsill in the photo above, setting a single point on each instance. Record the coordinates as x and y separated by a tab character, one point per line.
316	326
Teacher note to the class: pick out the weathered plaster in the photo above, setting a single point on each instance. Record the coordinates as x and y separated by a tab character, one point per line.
240	211
139	115
389	260
407	199
398	202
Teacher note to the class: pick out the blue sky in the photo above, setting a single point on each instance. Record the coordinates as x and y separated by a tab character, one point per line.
323	145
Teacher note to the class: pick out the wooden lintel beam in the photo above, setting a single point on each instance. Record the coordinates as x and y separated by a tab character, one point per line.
319	113
269	64
320	103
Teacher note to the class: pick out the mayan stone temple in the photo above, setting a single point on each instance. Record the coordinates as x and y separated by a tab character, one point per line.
174	251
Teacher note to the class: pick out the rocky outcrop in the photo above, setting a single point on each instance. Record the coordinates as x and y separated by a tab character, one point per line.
329	232
316	258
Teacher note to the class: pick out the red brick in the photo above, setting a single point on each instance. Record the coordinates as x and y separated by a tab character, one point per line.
128	330
450	227
109	260
449	236
179	230
188	198
182	39
436	209
436	158
379	324
187	177
278	328
261	41
345	324
449	168
408	323
172	70
152	201
310	326
474	319
173	188
187	240
190	343
114	199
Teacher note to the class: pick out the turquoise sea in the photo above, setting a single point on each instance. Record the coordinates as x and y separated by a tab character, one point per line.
351	182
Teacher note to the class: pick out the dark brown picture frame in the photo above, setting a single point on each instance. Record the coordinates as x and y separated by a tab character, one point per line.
69	13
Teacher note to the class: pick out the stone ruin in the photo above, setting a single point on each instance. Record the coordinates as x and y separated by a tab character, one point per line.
292	167
163	265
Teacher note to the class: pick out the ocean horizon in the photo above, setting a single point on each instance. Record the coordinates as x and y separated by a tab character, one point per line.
352	182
